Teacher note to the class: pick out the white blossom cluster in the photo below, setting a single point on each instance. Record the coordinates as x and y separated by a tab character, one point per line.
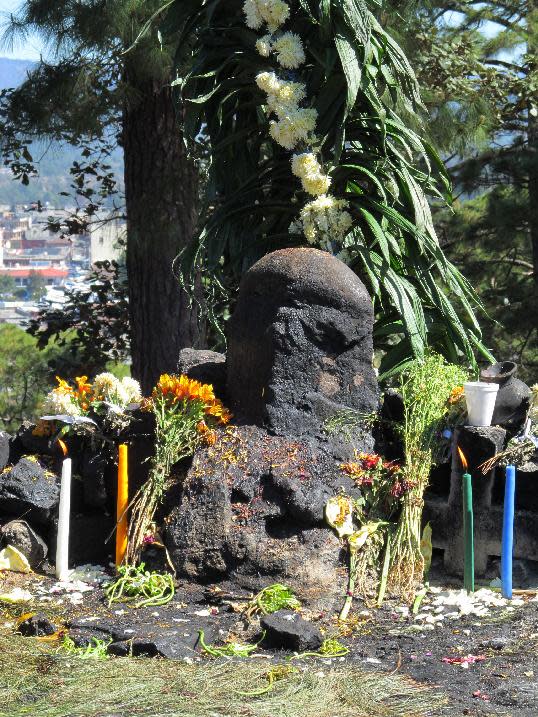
323	221
60	403
120	392
288	48
274	13
294	124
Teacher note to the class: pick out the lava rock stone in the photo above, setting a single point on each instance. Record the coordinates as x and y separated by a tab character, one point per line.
37	625
21	536
205	366
300	343
289	631
29	489
29	443
252	506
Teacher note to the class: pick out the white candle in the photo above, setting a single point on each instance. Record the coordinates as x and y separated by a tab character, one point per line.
62	542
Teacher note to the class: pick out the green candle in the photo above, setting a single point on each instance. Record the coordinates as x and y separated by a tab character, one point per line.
468	533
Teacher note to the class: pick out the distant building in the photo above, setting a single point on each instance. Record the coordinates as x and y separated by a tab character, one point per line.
52	277
106	239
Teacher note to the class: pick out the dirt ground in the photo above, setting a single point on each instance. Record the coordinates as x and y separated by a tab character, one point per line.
500	678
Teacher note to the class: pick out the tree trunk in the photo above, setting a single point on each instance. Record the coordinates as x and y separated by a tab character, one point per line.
532	50
161	189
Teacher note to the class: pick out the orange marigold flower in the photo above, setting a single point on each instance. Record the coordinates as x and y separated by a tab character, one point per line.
83	387
63	386
219	411
456	394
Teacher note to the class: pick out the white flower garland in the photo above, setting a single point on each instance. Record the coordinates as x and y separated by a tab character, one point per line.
324	220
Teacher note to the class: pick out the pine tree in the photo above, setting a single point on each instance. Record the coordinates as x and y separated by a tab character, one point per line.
479	80
103	88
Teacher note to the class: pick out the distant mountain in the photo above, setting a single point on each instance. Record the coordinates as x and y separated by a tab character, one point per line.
54	161
13	72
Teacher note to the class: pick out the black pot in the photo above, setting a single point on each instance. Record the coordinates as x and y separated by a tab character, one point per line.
513	398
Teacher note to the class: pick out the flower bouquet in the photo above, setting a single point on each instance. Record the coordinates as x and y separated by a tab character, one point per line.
186	416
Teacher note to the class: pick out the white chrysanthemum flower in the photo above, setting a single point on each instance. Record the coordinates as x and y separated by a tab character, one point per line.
60	403
283	132
308	169
105	384
274	13
316	185
268	82
132	389
107	387
325	220
304	164
293	128
289	50
282	97
263	46
253	18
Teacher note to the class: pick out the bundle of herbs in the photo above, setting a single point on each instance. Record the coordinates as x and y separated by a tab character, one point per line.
427	388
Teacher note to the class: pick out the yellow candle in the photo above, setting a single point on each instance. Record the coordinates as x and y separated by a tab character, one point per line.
123	502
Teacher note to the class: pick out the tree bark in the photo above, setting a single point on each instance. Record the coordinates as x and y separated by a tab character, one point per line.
161	189
532	137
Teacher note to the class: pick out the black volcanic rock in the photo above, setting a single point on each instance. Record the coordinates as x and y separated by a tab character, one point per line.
21	536
287	630
300	344
31	490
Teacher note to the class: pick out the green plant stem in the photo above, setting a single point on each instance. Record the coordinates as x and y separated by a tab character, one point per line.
351	585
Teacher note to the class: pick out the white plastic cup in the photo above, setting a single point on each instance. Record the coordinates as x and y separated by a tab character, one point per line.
480	398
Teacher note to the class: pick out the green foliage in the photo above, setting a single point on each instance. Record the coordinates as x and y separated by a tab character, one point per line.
272	598
425	387
92	325
363	87
141	587
7	286
25	375
330	647
489	237
480	85
37	286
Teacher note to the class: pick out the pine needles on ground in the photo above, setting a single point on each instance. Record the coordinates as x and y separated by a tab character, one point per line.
36	681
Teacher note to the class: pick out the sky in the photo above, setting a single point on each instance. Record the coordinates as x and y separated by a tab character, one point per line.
30	49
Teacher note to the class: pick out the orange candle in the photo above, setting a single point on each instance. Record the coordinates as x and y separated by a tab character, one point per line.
123	502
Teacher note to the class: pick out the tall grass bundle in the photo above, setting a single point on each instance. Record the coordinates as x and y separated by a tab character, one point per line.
426	387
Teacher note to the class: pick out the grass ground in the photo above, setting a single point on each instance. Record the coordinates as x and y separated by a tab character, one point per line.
37	679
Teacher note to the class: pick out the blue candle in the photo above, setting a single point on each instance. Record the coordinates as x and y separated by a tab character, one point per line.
508	532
